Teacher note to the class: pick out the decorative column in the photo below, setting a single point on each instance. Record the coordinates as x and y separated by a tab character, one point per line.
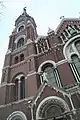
44	46
65	36
47	44
68	32
41	48
19	89
41	75
37	48
74	72
32	112
74	29
73	108
62	39
58	79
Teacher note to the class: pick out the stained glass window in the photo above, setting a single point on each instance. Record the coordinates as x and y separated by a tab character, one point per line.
49	74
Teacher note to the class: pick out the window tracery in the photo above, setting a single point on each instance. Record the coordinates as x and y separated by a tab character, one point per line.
69	31
42	45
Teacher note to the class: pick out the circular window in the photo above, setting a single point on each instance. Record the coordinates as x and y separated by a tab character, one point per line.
17	115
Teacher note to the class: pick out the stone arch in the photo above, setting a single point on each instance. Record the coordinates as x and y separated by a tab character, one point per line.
66	48
17	75
18	91
51	100
49	73
17	114
48	61
21	36
29	23
19	27
18	38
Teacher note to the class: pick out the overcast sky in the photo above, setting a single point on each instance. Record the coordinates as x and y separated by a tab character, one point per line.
46	13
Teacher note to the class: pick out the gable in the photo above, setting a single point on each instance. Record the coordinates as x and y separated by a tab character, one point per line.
65	22
48	90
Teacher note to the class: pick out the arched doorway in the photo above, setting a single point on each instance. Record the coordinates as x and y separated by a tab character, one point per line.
52	107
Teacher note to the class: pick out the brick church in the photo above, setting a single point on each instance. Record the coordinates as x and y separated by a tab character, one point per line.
41	74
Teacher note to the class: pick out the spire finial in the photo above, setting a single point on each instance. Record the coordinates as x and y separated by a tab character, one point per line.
24	10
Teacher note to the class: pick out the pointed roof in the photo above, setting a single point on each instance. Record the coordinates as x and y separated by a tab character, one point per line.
24	15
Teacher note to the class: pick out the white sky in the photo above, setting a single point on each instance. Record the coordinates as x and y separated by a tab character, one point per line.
45	12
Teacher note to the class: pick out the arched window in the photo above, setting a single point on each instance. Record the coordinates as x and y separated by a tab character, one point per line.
76	62
49	74
21	57
20	42
16	60
21	28
77	44
19	87
16	89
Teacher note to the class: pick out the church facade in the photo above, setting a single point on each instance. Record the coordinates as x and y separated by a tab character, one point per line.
41	74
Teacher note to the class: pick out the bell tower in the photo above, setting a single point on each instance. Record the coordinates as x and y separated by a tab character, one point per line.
19	65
